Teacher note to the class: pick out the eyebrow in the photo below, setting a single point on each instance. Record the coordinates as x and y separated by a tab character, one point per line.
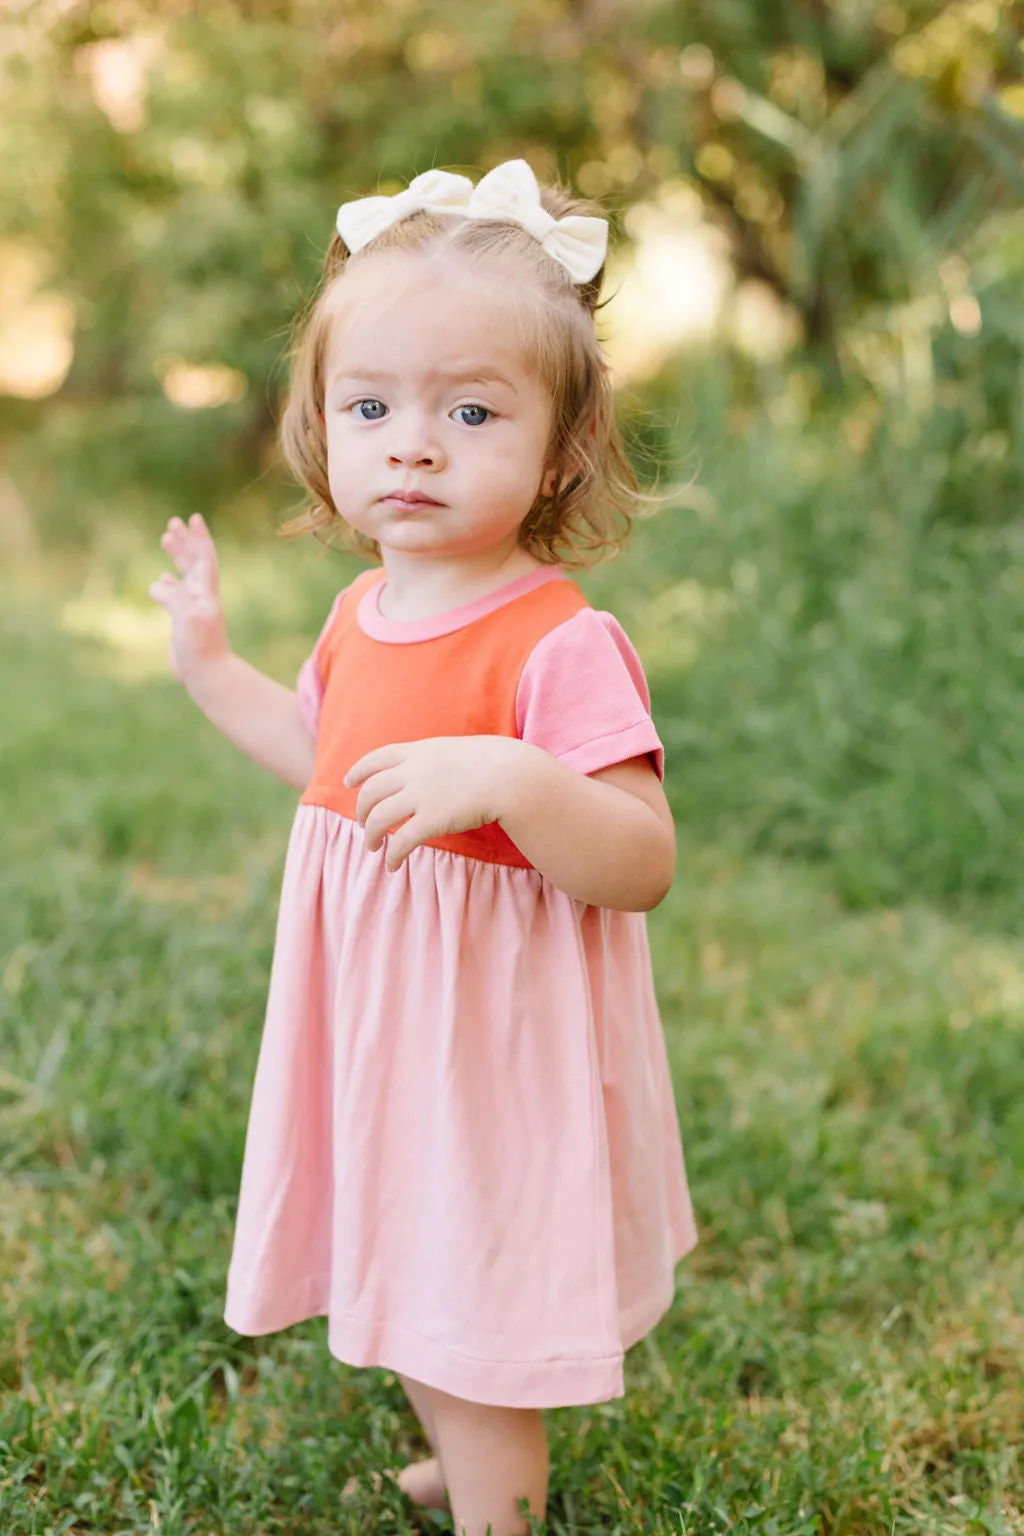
458	376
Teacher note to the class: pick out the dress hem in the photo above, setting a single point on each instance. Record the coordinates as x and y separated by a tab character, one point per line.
559	1383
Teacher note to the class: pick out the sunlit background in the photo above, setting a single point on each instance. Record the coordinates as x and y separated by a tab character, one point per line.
816	324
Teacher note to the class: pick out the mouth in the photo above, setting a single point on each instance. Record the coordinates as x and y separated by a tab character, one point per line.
410	499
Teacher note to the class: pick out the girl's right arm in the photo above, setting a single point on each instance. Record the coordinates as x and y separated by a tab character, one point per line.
259	715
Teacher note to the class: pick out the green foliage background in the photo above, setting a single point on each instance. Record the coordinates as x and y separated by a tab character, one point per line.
849	150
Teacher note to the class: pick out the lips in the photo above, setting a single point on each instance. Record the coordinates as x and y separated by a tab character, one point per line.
411	499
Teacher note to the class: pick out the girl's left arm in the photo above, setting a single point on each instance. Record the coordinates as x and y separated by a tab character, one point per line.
606	838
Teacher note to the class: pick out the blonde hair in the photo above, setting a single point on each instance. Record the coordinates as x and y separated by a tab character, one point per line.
595	482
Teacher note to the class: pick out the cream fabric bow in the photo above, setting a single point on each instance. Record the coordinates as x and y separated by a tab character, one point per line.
509	192
363	219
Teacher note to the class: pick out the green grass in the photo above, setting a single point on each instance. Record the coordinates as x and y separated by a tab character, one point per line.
845	1350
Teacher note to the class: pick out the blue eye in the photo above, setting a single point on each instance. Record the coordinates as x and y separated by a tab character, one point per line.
376	407
481	414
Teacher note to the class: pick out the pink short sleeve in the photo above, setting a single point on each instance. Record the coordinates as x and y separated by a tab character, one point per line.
309	686
584	698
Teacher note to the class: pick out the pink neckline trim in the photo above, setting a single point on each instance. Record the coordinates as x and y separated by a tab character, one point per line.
404	631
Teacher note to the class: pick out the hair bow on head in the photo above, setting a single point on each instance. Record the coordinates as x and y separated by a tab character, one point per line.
363	219
511	192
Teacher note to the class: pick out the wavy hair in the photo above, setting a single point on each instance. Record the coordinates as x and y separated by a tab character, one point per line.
596	493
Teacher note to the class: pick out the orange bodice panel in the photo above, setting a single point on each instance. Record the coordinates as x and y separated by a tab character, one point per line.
459	684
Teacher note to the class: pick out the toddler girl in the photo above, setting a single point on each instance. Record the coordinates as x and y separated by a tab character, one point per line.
463	1147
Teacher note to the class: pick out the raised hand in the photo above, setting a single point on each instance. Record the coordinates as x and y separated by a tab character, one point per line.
198	628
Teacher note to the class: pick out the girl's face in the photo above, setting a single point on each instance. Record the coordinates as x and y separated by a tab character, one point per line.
427	395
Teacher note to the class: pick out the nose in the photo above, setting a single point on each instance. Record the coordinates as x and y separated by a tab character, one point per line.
415	442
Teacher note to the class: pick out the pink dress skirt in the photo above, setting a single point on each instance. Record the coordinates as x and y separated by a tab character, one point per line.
486	1192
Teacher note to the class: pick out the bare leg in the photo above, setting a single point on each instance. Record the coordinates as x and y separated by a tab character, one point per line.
493	1457
419	1400
423	1481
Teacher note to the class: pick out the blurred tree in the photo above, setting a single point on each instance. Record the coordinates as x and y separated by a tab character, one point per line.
179	166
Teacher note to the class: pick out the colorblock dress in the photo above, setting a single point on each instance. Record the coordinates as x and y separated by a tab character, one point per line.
463	1146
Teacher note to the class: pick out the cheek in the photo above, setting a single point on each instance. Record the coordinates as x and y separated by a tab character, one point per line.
345	454
505	477
514	459
338	439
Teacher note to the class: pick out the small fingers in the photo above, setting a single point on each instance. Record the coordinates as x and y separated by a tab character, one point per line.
163	590
206	552
388	813
189	545
384	786
401	844
201	534
178	542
